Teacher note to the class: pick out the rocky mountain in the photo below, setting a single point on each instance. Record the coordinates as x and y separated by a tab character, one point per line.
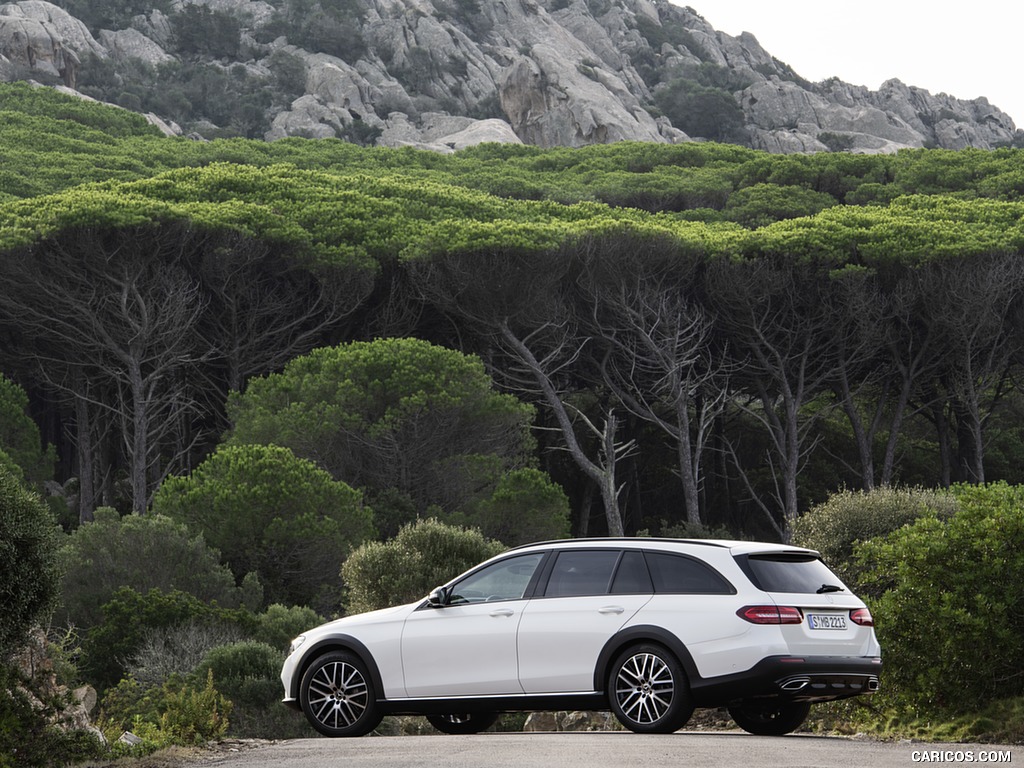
445	74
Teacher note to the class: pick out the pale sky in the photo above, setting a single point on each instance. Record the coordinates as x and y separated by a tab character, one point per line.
965	49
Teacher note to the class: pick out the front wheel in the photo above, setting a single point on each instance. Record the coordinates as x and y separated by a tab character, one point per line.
648	690
337	696
474	722
770	718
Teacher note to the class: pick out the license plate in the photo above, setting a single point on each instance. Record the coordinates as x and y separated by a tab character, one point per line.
826	621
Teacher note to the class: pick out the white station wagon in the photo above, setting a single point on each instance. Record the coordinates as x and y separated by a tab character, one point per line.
648	628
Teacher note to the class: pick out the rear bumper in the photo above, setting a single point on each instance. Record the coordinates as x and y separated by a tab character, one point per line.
796	678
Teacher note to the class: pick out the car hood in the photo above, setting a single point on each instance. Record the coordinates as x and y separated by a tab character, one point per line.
361	619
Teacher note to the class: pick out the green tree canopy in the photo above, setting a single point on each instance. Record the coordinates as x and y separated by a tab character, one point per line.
390	414
275	514
525	507
19	435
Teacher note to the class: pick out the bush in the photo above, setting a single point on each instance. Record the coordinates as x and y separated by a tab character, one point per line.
141	552
951	611
423	555
236	664
167	652
248	673
832	528
130	617
279	625
178	712
29	565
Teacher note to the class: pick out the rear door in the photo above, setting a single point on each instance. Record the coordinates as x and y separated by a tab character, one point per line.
589	596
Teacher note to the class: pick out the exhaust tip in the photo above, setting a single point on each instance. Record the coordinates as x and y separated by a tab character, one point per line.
796	684
873	684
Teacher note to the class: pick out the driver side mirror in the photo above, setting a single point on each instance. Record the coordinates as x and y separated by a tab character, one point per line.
438	598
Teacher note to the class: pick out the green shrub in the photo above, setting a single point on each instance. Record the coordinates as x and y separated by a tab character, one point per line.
279	625
951	614
29	566
129	617
176	713
248	673
832	528
236	664
423	555
141	552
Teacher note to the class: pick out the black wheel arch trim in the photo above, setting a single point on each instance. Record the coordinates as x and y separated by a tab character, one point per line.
338	643
642	633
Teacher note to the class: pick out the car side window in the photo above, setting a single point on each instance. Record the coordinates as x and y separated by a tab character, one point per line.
673	574
578	573
504	580
631	577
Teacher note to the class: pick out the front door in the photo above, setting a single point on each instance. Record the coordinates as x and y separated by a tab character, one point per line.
468	647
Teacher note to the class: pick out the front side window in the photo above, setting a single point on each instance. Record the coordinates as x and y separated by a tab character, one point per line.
582	573
505	580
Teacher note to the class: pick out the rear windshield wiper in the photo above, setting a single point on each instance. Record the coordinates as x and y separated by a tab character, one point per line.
829	588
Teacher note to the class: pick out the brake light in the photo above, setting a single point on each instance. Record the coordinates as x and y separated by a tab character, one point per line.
770	614
862	616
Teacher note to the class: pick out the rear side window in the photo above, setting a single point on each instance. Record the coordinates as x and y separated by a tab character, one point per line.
673	574
632	578
582	573
791	573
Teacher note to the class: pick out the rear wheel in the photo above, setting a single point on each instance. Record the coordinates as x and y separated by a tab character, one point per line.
648	690
461	724
770	718
337	696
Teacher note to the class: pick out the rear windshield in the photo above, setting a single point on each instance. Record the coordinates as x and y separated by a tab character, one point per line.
791	573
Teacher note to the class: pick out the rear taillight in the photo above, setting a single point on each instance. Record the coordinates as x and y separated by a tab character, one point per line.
770	614
862	616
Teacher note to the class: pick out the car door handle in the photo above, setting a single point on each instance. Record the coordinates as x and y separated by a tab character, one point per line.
611	609
502	612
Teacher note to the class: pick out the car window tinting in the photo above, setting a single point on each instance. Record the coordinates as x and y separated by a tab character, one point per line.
788	573
632	577
582	573
504	580
673	574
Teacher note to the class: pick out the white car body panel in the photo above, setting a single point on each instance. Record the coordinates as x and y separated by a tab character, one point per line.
462	650
560	639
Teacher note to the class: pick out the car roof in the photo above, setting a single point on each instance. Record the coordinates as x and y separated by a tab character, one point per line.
669	544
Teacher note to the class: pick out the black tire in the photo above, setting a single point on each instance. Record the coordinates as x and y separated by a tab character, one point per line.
338	697
770	718
648	690
472	722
